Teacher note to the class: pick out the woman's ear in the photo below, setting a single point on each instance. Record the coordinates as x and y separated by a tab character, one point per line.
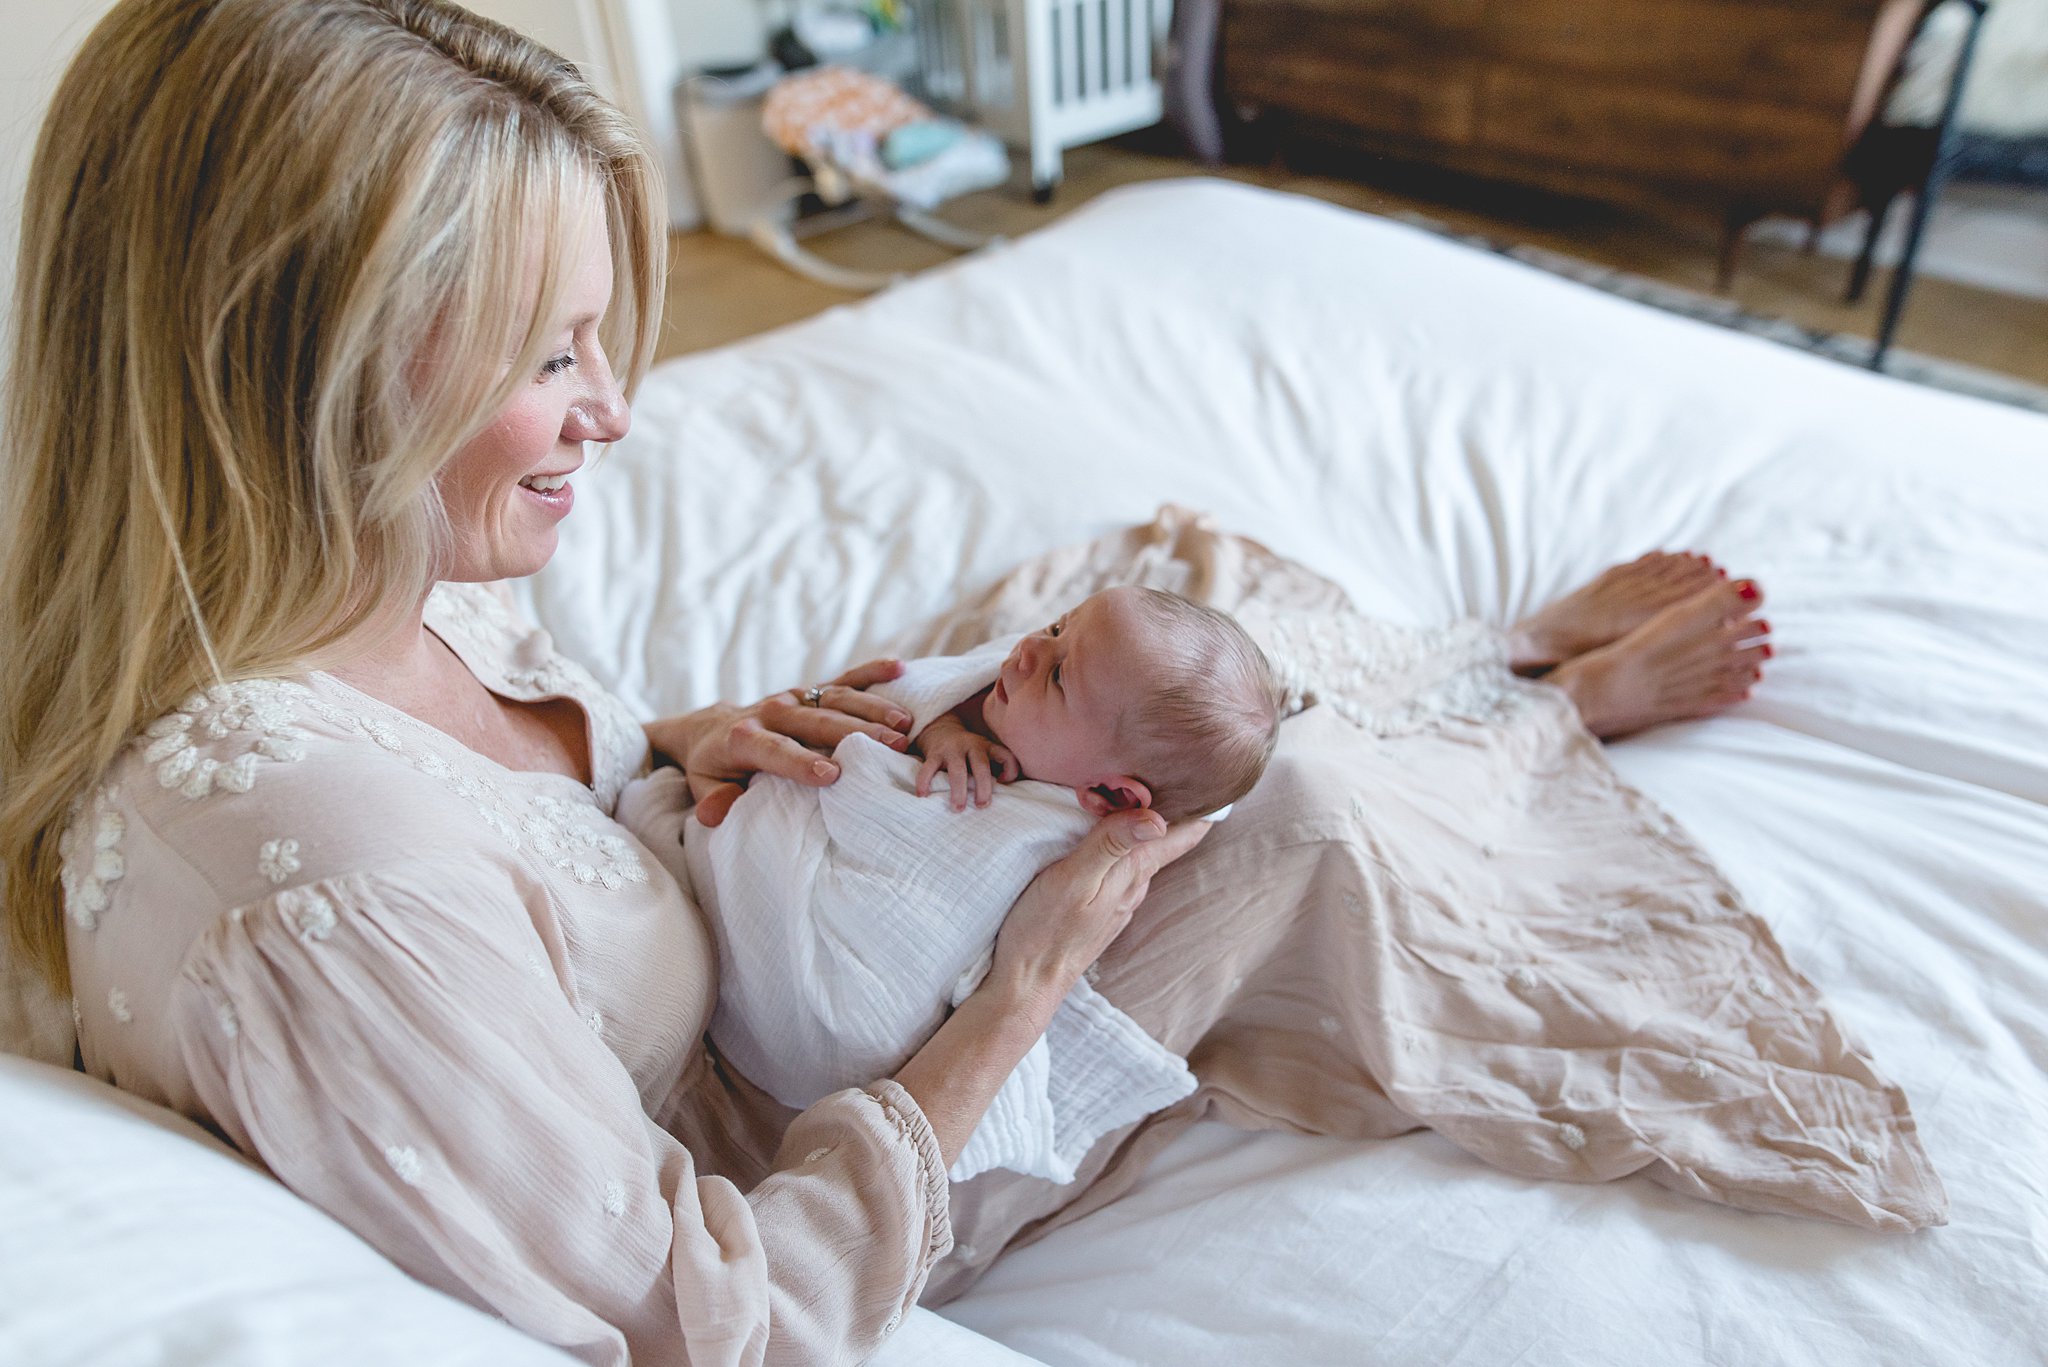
1120	794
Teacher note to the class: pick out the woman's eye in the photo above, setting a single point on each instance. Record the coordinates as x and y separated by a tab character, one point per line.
559	364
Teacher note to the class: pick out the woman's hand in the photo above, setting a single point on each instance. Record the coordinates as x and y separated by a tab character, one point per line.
723	746
1074	908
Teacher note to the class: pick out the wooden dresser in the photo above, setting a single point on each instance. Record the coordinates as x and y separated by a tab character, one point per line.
1739	107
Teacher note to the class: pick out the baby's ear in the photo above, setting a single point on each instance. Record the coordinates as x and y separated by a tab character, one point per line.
1120	794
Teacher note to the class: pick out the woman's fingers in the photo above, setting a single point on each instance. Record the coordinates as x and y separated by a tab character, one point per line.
870	673
750	748
866	706
712	807
822	728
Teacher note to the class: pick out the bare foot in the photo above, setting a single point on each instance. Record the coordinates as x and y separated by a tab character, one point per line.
1689	660
1597	614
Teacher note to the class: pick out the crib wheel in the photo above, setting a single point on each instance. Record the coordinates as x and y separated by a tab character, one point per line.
1041	191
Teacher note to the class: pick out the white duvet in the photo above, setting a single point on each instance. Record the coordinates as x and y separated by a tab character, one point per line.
1444	433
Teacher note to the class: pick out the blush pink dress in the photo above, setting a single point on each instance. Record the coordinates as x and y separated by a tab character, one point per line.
463	1011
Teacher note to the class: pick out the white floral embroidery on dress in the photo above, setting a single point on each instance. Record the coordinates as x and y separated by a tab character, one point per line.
268	707
117	1006
1391	680
382	734
310	914
404	1161
90	848
1571	1136
278	860
230	1025
567	836
614	1199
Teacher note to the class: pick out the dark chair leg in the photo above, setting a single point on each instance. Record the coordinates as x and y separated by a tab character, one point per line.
1859	274
1734	228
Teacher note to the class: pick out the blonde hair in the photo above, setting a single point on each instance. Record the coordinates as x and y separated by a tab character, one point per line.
274	255
1203	731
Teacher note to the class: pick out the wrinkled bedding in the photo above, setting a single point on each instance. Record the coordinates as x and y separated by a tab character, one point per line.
1443	434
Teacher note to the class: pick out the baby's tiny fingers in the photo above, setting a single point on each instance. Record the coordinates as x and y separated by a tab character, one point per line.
956	781
1005	764
924	776
984	787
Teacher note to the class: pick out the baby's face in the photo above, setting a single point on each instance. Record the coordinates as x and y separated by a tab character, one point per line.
1063	691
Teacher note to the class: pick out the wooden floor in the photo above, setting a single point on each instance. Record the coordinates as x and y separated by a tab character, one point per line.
722	289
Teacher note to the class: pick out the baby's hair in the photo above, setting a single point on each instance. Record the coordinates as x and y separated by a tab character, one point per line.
1202	734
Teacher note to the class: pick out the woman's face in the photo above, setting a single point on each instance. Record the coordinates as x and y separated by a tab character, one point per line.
506	491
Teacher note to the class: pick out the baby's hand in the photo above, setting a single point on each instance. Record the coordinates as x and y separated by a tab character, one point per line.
967	759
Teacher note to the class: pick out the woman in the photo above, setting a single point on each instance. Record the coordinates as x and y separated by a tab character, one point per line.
318	835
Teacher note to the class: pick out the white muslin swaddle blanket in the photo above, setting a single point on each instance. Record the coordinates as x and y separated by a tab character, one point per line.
850	918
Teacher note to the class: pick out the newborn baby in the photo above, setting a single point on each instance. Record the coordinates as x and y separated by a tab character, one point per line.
1135	698
850	918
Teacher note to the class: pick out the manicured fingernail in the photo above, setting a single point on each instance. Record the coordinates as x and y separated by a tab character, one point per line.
1747	591
899	720
1146	830
824	768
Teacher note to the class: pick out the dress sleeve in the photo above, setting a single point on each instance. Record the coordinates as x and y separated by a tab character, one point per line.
397	1052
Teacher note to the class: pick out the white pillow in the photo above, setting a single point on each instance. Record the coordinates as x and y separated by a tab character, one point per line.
132	1236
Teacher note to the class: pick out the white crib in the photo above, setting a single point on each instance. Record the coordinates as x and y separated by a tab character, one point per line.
1047	75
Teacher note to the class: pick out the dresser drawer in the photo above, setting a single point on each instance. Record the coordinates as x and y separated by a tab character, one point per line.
1662	136
1330	69
1799	54
1446	16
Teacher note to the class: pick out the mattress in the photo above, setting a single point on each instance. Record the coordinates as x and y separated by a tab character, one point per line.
1445	433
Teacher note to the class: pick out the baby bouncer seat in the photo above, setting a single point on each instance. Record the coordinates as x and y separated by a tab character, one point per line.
866	142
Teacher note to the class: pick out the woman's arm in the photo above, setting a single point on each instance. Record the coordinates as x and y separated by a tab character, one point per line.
1061	925
720	747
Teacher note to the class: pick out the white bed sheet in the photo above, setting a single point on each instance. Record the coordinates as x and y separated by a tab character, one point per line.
1444	433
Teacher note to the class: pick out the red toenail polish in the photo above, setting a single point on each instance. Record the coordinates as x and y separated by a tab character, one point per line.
1718	570
1747	591
1768	652
1763	624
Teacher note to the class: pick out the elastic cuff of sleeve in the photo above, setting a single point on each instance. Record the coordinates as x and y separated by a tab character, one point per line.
908	1117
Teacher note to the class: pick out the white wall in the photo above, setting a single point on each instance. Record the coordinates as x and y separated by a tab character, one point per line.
718	32
625	45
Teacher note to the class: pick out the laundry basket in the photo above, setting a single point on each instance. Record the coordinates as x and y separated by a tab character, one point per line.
1047	75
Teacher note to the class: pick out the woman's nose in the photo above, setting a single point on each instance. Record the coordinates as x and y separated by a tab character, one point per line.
599	414
600	417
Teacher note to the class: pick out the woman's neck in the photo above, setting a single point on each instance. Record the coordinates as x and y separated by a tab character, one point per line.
389	651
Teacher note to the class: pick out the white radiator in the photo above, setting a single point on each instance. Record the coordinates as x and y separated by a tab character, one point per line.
1047	75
